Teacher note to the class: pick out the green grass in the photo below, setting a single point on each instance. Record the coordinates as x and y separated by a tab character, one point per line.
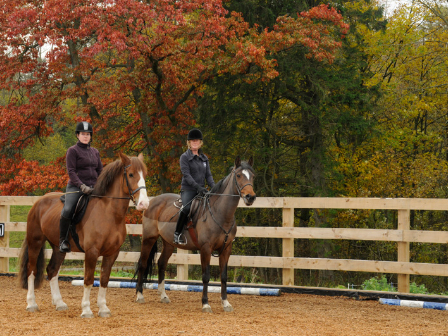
19	213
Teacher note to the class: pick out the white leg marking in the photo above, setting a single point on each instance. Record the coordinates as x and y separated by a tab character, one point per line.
56	297
143	200
161	290
30	297
140	298
85	303
206	308
104	310
226	305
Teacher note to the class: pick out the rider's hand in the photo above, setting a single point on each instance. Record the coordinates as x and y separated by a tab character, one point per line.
201	190
86	189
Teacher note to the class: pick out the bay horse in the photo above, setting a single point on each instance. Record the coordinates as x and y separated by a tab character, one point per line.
214	231
101	233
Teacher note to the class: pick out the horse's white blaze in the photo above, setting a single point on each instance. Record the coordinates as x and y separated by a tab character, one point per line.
85	303
143	200
246	173
30	297
56	297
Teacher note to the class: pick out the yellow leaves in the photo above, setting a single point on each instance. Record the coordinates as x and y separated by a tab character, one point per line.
361	6
398	164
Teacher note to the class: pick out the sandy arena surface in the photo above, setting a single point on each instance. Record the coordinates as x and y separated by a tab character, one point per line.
288	314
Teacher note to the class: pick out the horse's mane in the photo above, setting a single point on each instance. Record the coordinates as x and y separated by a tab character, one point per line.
110	173
217	187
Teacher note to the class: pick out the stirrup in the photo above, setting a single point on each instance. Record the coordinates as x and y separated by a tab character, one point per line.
177	239
64	247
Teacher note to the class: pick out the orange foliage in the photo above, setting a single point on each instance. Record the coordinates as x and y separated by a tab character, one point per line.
134	67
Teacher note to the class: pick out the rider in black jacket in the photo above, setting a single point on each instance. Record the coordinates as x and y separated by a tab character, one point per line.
195	169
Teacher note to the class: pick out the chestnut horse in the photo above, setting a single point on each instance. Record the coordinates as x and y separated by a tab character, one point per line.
214	231
101	233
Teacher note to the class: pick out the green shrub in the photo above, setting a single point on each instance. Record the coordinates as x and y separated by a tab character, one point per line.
376	284
418	289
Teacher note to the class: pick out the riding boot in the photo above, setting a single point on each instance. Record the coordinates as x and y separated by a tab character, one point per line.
64	225
181	221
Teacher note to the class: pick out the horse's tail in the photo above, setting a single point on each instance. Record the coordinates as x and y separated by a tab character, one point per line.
149	267
40	266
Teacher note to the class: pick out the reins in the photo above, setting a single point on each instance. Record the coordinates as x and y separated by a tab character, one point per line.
206	198
131	193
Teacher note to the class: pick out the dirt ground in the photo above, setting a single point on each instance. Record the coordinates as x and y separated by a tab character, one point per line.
288	314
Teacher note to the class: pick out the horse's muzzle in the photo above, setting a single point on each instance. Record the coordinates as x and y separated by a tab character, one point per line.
142	205
249	199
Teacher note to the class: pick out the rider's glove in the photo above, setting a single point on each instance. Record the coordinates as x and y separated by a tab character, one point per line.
201	190
86	189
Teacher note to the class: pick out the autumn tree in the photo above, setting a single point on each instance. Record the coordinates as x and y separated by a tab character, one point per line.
133	68
292	121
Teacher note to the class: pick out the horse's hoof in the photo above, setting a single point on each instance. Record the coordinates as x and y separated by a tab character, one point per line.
228	309
62	307
140	300
87	315
104	314
165	300
32	309
207	309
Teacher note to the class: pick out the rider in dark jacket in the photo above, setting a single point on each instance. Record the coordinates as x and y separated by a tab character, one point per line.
83	167
195	169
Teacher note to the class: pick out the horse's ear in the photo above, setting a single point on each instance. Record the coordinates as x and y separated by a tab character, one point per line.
237	162
124	158
140	157
251	161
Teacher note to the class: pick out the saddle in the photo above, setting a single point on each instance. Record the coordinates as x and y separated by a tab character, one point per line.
80	208
193	215
194	210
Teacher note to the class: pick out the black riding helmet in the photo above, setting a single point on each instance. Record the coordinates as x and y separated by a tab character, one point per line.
84	126
194	134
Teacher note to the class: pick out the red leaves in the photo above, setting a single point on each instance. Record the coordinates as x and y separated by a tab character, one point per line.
28	178
325	13
133	68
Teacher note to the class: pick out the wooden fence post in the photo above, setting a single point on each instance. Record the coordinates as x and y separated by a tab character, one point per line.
288	247
182	269
404	223
4	241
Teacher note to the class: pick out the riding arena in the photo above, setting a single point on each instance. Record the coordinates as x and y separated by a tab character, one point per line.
295	311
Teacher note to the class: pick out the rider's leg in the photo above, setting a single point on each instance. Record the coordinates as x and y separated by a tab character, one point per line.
181	221
71	198
64	225
187	196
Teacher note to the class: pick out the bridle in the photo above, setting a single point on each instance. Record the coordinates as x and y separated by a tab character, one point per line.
237	185
131	193
207	203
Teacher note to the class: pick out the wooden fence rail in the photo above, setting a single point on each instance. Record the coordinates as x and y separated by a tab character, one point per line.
403	236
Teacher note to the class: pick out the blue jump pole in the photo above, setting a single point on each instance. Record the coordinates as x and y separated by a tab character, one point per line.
415	304
188	288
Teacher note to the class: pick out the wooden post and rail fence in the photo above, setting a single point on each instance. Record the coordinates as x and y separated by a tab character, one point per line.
403	236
